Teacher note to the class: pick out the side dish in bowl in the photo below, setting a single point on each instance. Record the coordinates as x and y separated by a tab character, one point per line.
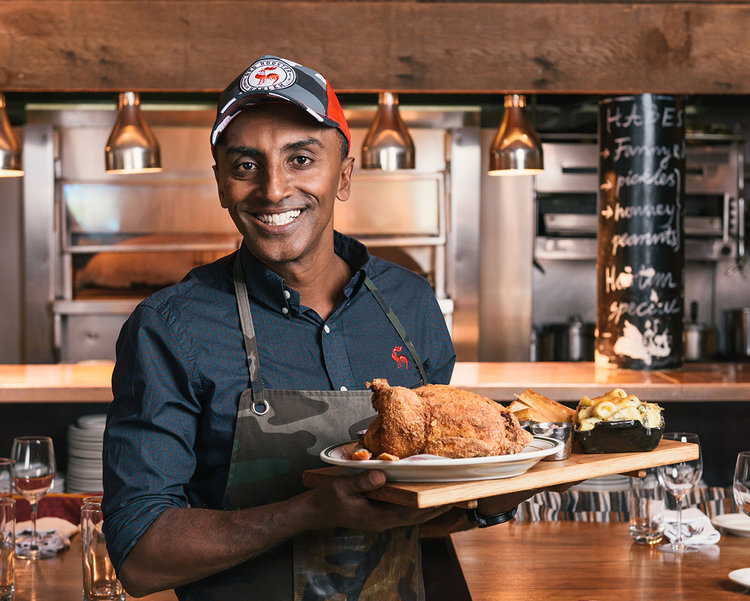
617	422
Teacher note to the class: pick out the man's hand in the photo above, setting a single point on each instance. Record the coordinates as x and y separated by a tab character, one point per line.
342	502
501	503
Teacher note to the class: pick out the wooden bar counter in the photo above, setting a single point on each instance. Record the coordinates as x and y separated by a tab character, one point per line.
90	382
586	561
568	381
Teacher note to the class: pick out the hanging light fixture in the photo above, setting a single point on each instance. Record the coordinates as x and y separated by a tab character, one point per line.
10	153
516	149
388	145
132	146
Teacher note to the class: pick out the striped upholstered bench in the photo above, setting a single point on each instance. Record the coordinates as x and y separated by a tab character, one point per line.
612	505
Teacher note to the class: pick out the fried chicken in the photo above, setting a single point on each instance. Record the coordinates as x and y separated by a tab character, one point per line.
440	420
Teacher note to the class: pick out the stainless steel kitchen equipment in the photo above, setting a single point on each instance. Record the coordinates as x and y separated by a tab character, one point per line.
95	243
700	339
737	327
569	341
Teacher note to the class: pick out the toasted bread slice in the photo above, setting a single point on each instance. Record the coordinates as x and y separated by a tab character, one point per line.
517	406
531	415
555	412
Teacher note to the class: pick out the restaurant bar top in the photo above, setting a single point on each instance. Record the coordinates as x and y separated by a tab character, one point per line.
562	381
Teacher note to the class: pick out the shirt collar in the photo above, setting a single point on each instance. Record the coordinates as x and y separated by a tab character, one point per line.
267	287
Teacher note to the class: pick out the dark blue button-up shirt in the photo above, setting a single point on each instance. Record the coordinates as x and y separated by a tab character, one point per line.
181	368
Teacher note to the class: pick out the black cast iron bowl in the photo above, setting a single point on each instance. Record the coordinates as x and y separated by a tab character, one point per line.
629	436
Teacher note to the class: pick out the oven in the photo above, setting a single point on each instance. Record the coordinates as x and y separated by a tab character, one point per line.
566	199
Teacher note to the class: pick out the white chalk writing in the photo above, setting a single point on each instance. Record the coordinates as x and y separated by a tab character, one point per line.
657	210
652	115
659	179
648	277
643	345
667	237
646	308
645	278
623	149
614	281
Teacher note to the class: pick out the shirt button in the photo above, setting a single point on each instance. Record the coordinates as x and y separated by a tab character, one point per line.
326	329
287	294
342	388
284	310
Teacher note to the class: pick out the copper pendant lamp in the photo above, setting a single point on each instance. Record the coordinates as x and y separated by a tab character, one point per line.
388	145
516	149
132	146
10	152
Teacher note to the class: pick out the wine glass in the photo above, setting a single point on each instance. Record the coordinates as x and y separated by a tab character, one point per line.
33	474
679	478
741	485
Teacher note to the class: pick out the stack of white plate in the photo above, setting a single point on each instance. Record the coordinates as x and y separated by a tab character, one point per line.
85	439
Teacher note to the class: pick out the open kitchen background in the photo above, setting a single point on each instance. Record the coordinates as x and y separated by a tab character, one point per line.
512	260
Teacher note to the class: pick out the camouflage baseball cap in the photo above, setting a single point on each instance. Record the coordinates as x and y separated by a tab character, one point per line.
270	79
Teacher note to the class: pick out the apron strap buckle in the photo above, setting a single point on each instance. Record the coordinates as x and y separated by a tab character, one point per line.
261	408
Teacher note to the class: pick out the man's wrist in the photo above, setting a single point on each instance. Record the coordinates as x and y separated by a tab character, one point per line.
484	521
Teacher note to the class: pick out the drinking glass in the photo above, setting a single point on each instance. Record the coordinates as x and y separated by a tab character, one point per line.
6	488
100	582
679	478
741	485
646	509
33	475
7	547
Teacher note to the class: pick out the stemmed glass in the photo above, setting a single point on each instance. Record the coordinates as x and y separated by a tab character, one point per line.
679	478
741	485
33	474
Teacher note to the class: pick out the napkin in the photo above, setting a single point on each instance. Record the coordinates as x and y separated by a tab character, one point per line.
53	534
696	527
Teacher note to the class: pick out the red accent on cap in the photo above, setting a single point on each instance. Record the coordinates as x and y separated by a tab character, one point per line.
336	113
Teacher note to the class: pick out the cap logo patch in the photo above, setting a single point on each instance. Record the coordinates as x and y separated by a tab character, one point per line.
268	74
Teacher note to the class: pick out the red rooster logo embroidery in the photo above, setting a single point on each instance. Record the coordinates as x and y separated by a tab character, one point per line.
267	76
399	359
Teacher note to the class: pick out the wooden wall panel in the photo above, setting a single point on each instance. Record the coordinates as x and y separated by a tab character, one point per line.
199	45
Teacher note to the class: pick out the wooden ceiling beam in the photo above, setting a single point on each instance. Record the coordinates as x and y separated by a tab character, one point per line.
407	46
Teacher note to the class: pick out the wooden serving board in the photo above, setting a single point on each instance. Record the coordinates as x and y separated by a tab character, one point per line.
577	467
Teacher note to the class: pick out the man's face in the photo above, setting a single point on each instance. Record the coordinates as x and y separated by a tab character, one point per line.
278	174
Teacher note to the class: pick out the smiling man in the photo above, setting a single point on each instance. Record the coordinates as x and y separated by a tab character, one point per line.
279	174
228	384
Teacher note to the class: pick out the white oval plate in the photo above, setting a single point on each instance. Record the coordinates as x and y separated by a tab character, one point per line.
431	468
734	523
741	576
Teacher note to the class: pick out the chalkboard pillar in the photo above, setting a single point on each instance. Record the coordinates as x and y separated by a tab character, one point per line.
641	258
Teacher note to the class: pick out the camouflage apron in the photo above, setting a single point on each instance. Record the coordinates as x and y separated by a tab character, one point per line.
278	435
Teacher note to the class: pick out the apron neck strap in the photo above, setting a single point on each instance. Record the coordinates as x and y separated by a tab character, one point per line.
393	318
248	331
